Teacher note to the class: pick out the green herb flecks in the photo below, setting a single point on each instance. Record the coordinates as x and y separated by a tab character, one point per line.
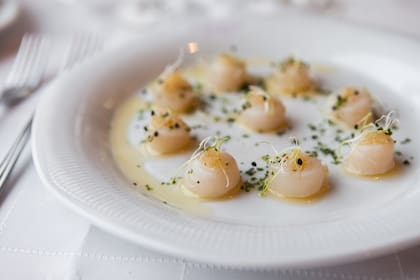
406	141
340	101
327	151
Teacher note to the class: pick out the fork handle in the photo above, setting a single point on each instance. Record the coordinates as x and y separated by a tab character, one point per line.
12	156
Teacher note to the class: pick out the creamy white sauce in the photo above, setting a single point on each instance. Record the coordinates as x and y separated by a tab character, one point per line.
142	168
131	159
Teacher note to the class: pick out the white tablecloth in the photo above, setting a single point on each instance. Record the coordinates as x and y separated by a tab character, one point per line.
41	239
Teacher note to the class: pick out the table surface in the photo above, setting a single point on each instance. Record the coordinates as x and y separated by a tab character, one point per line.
41	239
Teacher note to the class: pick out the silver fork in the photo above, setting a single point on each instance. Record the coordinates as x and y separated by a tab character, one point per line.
12	156
81	47
27	70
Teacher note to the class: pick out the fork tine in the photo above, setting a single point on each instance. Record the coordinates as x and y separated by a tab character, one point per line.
86	48
31	59
36	72
20	60
82	46
28	67
73	52
38	63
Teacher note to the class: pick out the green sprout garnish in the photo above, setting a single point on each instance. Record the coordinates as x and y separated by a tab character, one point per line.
340	101
291	61
382	125
260	92
210	143
280	160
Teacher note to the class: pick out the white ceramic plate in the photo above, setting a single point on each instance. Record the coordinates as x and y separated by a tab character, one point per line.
357	220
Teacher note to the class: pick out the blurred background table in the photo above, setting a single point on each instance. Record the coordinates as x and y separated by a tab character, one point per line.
41	239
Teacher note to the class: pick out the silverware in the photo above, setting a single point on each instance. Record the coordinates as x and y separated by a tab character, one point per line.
27	70
12	156
81	47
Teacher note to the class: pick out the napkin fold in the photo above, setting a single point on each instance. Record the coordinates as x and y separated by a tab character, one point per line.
106	257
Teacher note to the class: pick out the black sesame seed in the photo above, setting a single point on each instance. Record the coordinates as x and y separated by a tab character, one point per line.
406	140
299	161
156	134
312	127
253	163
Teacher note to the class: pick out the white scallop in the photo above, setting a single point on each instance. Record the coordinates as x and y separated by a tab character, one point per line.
227	73
354	109
264	113
211	175
175	93
372	154
298	183
172	135
293	76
